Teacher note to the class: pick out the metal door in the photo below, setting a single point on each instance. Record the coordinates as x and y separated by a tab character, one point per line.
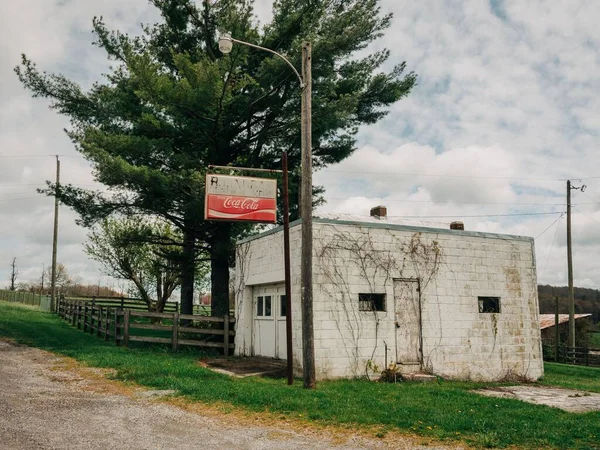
408	322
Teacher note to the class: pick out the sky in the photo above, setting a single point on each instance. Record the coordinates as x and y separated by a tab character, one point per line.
505	111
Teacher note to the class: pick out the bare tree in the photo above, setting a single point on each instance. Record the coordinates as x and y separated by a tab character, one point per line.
13	274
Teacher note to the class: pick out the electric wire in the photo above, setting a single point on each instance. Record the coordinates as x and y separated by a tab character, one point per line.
540	235
551	246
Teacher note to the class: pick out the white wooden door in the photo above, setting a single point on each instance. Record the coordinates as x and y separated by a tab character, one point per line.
408	323
268	335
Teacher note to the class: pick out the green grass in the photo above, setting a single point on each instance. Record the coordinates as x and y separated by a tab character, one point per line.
572	377
595	340
445	410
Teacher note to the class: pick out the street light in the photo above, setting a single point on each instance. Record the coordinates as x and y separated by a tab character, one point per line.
308	351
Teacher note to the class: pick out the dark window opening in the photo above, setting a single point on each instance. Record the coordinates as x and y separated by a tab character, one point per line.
259	306
282	306
489	304
371	302
268	305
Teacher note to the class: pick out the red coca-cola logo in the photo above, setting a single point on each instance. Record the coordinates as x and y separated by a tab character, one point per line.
246	204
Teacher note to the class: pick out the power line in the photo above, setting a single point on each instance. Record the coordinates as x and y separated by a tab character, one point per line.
586	215
40	156
18	198
590	197
456	202
551	247
479	215
560	217
396	174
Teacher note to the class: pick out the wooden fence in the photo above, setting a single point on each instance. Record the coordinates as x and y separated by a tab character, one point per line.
140	305
115	324
27	298
123	303
580	356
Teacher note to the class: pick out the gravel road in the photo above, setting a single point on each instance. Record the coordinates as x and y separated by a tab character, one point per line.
50	402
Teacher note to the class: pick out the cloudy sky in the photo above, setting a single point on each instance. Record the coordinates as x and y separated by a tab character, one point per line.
506	110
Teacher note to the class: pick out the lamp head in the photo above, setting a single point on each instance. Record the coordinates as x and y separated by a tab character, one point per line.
225	43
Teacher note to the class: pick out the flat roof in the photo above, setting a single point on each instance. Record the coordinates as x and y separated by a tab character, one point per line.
418	227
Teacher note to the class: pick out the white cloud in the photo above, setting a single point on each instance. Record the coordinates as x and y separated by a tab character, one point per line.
511	96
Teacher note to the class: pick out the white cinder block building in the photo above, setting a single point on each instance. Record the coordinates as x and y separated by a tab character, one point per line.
458	304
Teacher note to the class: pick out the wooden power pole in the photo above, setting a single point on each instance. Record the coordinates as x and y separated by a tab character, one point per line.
308	347
55	240
571	340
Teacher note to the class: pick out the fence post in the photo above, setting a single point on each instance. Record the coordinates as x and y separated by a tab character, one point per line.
107	312
117	310
126	328
122	302
175	337
226	335
99	322
84	316
92	319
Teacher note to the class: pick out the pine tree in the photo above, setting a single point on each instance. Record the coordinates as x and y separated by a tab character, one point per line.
173	104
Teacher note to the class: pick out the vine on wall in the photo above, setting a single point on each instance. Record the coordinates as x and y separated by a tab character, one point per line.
346	257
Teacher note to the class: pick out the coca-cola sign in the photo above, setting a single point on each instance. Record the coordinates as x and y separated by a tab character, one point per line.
240	199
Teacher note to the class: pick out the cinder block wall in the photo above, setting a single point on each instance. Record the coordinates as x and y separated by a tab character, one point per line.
458	341
455	267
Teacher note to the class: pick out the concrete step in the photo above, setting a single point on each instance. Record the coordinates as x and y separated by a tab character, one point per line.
419	377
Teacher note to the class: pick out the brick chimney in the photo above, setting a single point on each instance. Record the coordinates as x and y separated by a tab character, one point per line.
457	226
379	211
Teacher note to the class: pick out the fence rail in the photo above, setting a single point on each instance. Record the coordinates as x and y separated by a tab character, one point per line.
112	323
27	298
123	303
580	356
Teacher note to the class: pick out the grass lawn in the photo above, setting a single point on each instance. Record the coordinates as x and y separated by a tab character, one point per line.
445	410
595	340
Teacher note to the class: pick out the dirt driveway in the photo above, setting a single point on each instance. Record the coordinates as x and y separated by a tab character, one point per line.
50	402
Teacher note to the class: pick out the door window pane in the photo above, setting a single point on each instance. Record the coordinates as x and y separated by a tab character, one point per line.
268	305
259	306
282	306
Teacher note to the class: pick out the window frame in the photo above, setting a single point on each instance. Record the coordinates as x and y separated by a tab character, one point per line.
376	300
496	306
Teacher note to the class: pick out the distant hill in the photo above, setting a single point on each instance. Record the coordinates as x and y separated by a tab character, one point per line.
586	300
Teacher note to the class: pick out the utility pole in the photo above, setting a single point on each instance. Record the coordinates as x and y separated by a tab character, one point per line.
55	240
43	276
306	295
308	347
13	274
571	340
556	330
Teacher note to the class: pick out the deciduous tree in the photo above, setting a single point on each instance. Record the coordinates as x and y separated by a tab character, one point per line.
124	249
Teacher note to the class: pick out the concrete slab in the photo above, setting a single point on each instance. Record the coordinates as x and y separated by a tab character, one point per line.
566	399
241	367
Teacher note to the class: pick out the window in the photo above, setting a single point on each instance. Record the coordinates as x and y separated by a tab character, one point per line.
371	302
263	306
259	306
282	306
489	304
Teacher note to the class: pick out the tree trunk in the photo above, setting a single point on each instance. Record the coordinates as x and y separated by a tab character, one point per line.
187	271
219	269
